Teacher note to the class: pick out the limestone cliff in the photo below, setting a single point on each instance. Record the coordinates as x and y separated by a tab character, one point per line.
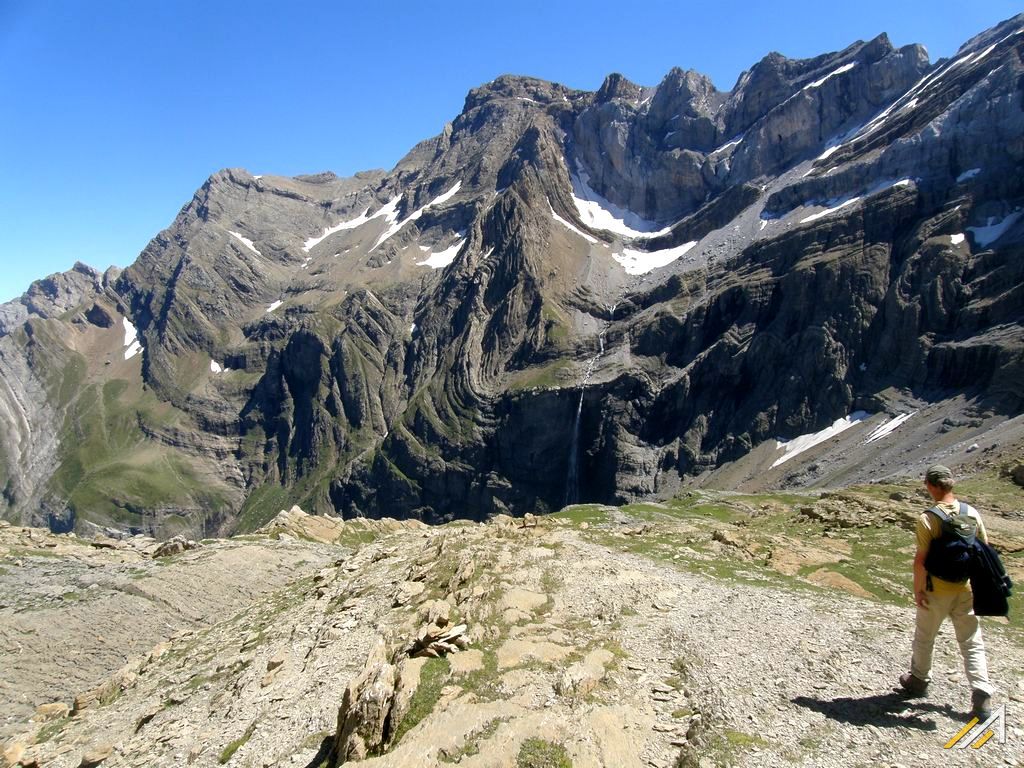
563	296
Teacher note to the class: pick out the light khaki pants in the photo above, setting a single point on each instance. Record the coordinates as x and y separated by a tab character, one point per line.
958	606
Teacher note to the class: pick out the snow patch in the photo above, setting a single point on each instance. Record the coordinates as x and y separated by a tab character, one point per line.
131	339
985	53
889	427
819	83
412	329
487	255
569	225
725	146
275	305
388	211
598	213
216	367
130	333
246	242
830	211
641	262
827	153
396	226
993	229
932	77
798	445
966	175
258	176
957	239
443	258
836	205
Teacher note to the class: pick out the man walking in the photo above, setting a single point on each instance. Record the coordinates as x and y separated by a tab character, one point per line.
941	589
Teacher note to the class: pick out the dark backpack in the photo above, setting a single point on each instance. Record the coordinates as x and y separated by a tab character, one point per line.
950	555
989	582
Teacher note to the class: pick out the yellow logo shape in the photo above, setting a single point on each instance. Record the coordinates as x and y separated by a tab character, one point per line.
980	733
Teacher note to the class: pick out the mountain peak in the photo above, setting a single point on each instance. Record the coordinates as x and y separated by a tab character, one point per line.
617	86
516	87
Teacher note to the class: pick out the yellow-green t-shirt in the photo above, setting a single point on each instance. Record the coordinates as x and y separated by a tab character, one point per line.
929	528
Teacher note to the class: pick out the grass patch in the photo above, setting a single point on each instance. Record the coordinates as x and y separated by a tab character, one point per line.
540	753
111	473
432	679
260	507
228	752
48	731
592	514
554	375
550	583
483	682
473	741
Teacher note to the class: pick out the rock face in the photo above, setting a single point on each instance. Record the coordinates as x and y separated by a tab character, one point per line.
564	296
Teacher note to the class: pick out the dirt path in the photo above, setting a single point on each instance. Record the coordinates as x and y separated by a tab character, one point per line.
802	678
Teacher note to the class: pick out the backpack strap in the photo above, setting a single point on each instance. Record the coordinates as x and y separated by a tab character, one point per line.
942	515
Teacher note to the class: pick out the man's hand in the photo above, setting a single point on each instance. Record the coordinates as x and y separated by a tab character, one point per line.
921	598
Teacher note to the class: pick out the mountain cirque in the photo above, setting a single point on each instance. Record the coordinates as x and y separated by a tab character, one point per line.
565	296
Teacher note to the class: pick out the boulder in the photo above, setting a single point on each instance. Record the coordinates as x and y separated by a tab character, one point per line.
583	676
407	592
366	707
95	755
53	711
175	546
1017	473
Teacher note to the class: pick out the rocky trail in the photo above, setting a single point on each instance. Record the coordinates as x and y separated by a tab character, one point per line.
649	635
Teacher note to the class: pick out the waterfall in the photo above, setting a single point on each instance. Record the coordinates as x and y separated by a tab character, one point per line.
572	480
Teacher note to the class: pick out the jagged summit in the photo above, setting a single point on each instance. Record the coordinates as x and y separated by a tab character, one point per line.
639	288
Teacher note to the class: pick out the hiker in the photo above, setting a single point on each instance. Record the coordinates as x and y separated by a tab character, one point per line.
938	597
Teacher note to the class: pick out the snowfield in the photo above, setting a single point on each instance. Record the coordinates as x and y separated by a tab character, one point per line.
131	339
441	259
246	242
830	75
836	205
598	213
993	229
415	215
641	262
798	445
571	227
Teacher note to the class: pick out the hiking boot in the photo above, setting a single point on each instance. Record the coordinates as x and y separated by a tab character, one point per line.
912	685
981	704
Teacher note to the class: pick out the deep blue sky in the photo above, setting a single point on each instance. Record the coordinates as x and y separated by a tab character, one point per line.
113	113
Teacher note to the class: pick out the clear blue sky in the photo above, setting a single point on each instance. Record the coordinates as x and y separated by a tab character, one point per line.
113	113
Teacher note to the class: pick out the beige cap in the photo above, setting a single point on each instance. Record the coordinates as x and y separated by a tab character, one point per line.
937	473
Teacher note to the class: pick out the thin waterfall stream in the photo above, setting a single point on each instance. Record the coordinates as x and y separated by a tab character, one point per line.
572	480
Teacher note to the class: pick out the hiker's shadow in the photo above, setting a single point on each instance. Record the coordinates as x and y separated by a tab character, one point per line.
889	710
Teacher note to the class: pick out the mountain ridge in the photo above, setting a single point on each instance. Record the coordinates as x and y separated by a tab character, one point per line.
426	341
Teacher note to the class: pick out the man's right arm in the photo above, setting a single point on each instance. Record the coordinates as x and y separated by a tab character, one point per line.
924	536
920	579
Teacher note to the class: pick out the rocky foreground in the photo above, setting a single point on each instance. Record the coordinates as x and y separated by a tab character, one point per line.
713	630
